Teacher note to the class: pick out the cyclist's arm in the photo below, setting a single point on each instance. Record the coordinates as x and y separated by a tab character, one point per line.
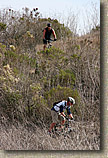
71	116
44	34
61	111
69	113
54	33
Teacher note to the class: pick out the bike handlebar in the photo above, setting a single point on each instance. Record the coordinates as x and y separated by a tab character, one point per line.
72	119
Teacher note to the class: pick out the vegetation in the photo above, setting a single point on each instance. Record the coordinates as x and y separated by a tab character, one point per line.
32	80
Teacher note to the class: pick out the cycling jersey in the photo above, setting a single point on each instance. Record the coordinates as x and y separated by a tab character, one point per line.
61	106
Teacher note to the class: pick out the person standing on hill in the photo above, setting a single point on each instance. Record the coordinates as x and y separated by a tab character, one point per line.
48	31
57	112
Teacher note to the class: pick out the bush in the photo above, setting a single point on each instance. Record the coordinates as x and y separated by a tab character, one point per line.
2	26
60	93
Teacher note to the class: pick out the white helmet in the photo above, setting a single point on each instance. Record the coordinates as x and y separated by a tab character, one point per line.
72	100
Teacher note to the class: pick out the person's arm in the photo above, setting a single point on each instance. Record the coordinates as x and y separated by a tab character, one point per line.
69	113
44	34
61	111
54	34
71	116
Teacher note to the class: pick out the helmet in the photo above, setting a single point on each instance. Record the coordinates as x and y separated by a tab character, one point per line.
49	25
72	100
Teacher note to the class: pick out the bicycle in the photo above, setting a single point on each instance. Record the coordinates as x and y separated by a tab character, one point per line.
63	130
49	43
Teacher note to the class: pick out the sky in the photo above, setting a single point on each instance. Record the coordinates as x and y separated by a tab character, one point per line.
52	7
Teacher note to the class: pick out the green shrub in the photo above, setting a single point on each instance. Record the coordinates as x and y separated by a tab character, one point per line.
65	78
60	93
11	55
2	26
2	46
16	71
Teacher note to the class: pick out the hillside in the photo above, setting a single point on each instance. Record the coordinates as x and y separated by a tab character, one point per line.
70	68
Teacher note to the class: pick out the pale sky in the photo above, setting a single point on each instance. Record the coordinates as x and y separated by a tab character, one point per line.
51	7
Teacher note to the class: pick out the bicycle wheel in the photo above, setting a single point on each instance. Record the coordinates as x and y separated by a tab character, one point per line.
57	130
50	45
62	130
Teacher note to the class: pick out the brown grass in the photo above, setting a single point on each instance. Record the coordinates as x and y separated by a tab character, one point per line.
84	136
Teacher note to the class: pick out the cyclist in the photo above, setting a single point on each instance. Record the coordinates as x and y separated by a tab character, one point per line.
57	112
48	31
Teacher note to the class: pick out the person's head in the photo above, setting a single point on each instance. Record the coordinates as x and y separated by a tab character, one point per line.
49	26
70	101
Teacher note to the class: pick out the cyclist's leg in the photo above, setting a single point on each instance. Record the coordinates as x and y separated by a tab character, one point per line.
51	127
62	119
45	43
54	119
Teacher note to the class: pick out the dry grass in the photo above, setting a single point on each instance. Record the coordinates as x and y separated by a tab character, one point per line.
84	136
